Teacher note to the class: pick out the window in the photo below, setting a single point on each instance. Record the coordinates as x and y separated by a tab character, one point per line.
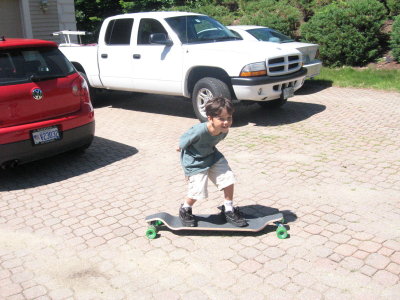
148	27
19	65
119	32
269	35
199	29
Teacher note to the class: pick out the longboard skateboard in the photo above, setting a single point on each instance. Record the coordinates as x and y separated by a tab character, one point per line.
215	222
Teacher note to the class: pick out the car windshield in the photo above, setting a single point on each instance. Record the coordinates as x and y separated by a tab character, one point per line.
269	35
22	65
199	29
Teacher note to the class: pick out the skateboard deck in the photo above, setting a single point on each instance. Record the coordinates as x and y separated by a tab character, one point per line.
213	222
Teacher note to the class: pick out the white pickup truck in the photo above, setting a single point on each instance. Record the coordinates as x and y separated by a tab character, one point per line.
186	54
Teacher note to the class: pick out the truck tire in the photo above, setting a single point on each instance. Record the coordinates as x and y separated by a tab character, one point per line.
273	103
204	90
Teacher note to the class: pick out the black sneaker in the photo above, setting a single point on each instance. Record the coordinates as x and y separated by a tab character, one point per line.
234	217
186	216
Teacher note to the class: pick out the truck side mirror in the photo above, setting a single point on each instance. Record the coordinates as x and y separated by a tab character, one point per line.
160	39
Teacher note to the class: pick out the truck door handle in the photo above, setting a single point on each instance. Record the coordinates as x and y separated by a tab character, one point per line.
104	55
136	56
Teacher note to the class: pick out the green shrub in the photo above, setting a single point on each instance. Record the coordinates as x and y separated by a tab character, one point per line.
270	13
217	12
308	7
393	6
348	32
395	39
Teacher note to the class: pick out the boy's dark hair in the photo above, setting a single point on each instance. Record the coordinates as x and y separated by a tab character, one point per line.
215	106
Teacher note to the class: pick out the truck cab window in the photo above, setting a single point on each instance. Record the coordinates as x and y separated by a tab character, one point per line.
119	32
148	27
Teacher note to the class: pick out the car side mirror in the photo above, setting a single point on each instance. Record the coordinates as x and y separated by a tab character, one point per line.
160	39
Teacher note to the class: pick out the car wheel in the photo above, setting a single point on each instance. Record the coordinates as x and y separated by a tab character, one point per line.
273	103
204	90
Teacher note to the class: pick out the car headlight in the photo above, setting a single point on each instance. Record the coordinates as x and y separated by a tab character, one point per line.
254	69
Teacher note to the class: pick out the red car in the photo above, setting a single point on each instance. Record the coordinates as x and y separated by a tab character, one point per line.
45	106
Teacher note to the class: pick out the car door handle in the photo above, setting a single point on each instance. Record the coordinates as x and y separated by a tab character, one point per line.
136	56
104	55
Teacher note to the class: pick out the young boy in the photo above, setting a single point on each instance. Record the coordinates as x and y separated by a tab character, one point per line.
201	160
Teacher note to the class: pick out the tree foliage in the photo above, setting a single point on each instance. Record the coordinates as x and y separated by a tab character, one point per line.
90	14
395	39
279	15
348	31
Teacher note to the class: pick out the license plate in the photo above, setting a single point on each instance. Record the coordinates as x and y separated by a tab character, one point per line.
288	92
45	135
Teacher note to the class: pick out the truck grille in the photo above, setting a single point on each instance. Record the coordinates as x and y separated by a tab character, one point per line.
283	65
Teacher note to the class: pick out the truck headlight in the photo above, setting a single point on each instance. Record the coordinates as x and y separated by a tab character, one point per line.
254	69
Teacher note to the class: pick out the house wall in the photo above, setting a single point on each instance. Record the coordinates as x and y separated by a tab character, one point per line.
27	19
44	23
10	19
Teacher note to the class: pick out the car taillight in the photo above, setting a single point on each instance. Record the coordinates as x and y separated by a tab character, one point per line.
80	88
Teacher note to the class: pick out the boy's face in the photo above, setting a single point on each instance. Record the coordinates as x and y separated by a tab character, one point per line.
222	122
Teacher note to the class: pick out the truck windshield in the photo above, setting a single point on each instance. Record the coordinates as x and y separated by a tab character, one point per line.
199	29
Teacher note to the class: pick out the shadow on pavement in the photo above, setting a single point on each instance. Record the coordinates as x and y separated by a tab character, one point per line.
249	212
312	86
148	103
291	112
101	153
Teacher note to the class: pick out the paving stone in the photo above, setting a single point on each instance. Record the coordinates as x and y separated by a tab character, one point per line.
345	249
394	245
35	292
377	261
386	278
369	246
72	227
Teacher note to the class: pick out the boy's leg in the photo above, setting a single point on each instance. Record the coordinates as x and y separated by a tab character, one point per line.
222	176
228	195
197	190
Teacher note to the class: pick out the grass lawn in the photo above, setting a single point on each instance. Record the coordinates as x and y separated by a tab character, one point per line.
388	80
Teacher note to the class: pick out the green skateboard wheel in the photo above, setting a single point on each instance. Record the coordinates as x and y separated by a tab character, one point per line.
151	232
281	232
158	223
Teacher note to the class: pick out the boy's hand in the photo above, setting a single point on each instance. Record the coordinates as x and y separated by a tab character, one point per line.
178	149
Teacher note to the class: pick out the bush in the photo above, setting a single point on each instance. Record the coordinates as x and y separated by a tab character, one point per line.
395	39
308	7
270	13
218	12
394	7
348	32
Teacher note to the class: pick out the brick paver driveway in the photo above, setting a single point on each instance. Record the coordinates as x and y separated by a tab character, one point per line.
72	226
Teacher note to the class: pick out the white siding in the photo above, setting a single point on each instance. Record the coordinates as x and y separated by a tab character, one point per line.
26	19
44	23
10	20
66	16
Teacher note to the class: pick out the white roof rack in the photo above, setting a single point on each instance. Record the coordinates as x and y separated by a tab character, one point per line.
66	34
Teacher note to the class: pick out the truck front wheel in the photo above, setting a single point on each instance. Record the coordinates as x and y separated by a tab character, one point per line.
204	90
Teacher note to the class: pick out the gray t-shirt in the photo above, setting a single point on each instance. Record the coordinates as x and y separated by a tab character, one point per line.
198	151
